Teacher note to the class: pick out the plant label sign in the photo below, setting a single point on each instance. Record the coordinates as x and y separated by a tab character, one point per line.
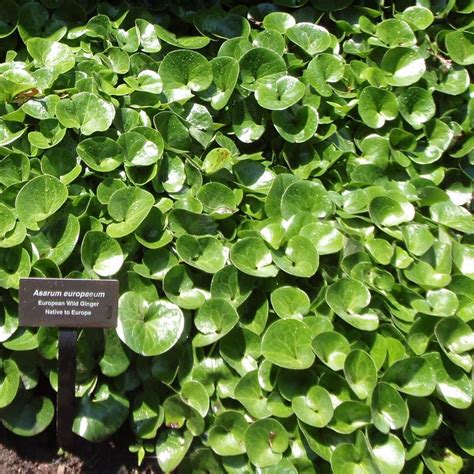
68	303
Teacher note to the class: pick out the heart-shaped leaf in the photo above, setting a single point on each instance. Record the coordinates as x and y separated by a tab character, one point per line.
128	207
28	417
287	343
314	408
376	106
309	37
85	111
227	435
332	348
361	373
413	375
101	253
251	256
265	441
389	410
148	329
215	318
38	199
101	415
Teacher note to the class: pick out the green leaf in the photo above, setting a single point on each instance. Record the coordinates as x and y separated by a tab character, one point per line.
388	212
250	394
141	147
8	18
184	72
100	153
148	328
182	287
332	348
101	254
10	382
306	196
290	302
348	298
418	17
405	66
218	200
387	451
376	106
116	359
28	417
279	93
314	407
350	416
128	207
38	199
413	376
323	70
450	215
311	38
297	124
251	256
424	417
171	447
456	338
265	441
394	33
100	415
147	415
52	54
347	459
299	257
215	318
416	106
459	45
389	410
361	373
85	111
258	63
225	72
287	343
227	435
325	236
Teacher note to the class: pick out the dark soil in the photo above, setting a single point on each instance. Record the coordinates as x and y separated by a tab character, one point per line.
40	455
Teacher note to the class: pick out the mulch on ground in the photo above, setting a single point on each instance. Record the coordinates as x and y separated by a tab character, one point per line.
39	455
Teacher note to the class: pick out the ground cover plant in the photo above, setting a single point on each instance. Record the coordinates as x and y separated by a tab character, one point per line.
283	190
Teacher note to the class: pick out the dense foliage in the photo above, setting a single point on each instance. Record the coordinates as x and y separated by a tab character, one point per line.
284	196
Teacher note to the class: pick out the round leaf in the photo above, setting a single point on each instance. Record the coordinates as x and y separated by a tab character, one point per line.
413	376
265	441
361	373
128	207
332	349
227	435
100	153
389	410
279	93
99	417
214	319
101	253
314	408
28	417
297	124
376	106
251	256
311	38
290	302
148	328
287	343
38	199
85	111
